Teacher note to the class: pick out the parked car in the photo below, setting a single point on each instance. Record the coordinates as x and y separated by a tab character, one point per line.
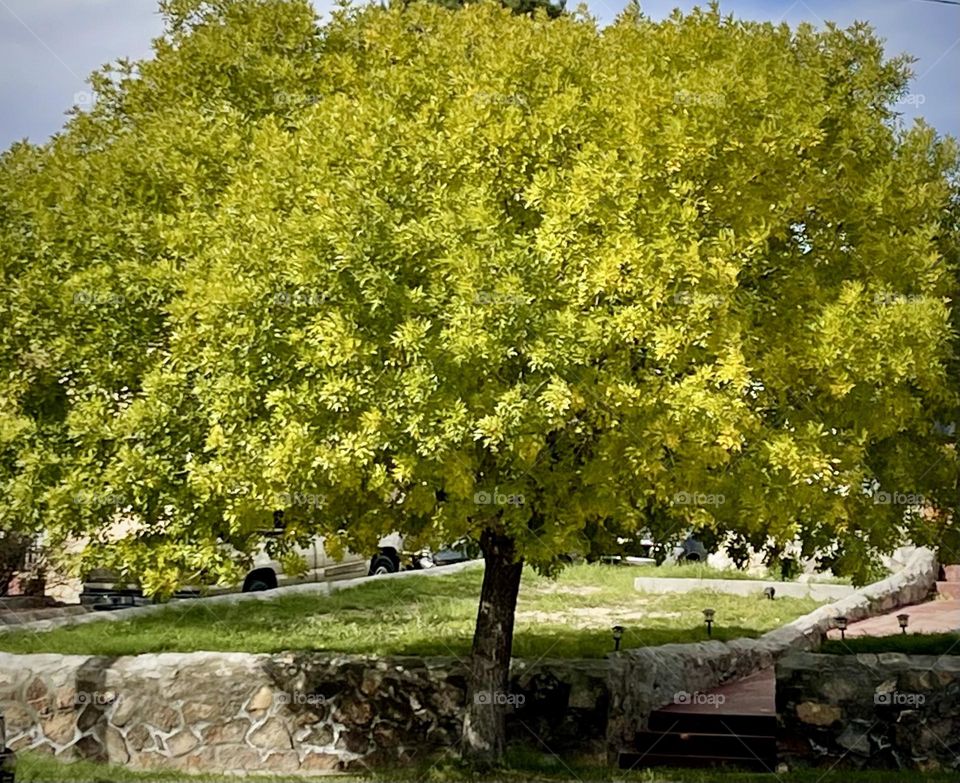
102	589
641	551
8	762
458	552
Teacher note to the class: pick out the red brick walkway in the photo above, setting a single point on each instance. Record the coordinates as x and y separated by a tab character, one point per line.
937	616
754	695
750	695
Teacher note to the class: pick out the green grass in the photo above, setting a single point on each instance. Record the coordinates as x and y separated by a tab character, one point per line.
567	617
704	571
43	768
524	767
910	644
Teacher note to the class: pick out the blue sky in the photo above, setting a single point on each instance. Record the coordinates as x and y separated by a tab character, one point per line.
48	47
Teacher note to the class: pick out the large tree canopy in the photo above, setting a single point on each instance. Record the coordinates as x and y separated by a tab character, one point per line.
478	274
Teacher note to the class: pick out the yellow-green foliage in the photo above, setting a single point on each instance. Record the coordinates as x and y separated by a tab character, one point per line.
380	267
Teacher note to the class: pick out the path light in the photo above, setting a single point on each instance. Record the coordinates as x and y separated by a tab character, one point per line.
842	625
617	636
708	619
769	592
903	619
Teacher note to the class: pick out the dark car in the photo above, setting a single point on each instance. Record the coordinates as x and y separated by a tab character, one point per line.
460	551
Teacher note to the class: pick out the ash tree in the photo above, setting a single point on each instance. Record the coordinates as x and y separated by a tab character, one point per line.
476	274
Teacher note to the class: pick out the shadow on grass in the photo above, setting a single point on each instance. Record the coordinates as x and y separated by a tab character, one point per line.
568	642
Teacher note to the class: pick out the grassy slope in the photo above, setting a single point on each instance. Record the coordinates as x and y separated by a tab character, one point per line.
568	617
702	571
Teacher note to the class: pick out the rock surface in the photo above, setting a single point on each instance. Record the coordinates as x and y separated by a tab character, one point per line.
885	710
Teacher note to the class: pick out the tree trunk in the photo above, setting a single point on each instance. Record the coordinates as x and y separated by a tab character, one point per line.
488	698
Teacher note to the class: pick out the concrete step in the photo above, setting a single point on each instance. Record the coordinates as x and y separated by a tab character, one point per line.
718	722
949	589
951	573
738	729
721	745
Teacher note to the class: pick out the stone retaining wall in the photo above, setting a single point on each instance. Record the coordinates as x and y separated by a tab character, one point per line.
234	712
887	710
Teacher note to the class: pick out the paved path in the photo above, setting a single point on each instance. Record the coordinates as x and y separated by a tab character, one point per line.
937	616
755	695
751	695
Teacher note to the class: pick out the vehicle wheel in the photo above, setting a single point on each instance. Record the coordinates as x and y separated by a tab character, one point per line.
382	564
260	580
694	551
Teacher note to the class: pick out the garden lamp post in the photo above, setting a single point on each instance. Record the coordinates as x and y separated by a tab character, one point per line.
617	636
708	619
841	623
903	619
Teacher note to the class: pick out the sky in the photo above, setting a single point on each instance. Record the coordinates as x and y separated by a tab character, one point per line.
48	48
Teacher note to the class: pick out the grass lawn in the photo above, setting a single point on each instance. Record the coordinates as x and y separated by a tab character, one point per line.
36	768
704	571
433	615
910	644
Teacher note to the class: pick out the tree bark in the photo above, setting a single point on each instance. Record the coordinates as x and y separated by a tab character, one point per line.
488	697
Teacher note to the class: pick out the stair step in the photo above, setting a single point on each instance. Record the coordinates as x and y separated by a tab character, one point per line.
704	723
951	573
949	589
631	760
719	745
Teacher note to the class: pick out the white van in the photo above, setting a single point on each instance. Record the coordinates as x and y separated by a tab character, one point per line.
101	589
